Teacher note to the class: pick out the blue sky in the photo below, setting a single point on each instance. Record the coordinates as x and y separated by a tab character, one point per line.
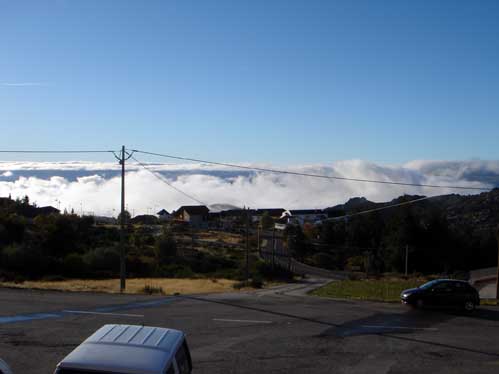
283	82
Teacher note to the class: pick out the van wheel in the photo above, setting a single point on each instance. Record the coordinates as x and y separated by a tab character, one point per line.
469	306
420	304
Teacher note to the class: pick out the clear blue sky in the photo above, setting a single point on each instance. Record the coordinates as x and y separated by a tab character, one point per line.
269	81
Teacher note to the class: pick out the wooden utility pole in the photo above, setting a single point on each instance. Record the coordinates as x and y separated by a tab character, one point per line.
258	240
122	224
273	247
497	275
406	259
247	243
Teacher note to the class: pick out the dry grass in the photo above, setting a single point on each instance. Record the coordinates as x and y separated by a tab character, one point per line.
226	237
134	286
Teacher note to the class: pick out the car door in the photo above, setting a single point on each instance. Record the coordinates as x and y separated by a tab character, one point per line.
441	294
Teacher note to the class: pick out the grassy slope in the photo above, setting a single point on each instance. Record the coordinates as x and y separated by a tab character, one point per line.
134	285
370	289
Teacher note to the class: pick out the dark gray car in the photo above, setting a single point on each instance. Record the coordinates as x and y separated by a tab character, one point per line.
443	293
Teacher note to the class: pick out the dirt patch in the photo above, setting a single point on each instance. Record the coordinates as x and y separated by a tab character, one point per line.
168	286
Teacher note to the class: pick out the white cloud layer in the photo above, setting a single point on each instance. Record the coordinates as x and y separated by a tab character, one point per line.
95	187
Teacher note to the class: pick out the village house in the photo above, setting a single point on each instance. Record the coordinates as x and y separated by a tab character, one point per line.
195	215
163	215
301	216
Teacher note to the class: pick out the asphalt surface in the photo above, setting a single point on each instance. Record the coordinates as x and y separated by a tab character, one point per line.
271	331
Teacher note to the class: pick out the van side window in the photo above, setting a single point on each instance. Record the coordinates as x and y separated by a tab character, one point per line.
170	370
182	360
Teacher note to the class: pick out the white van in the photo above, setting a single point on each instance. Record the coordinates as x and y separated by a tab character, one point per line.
4	369
129	349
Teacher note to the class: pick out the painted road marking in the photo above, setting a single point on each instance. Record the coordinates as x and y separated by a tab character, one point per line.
239	320
28	317
399	327
102	313
107	310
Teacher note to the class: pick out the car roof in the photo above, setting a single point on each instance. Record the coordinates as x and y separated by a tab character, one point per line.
125	349
452	280
435	281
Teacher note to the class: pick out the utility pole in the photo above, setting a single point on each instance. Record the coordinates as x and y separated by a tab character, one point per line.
406	258
258	240
273	247
497	275
122	224
121	159
247	243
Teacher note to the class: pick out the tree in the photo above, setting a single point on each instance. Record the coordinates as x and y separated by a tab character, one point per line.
166	247
298	244
266	221
127	216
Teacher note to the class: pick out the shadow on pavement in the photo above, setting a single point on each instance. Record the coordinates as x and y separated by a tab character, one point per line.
442	345
480	313
382	324
262	310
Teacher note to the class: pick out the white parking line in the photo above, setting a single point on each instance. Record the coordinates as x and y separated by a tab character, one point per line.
103	314
239	320
399	327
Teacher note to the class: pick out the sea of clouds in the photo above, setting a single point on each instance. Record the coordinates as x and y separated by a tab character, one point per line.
94	187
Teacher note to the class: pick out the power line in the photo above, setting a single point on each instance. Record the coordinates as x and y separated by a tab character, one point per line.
380	208
55	151
160	177
310	174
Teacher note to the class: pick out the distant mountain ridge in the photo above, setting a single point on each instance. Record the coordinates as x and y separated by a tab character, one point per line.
475	211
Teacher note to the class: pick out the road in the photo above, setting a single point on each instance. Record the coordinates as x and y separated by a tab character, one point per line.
271	331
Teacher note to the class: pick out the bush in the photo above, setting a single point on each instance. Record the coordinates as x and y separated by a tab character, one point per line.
253	283
256	282
324	260
239	285
175	271
165	247
141	265
103	259
74	265
151	290
24	260
266	271
53	278
356	263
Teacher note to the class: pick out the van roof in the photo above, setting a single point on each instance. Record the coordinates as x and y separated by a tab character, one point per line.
125	349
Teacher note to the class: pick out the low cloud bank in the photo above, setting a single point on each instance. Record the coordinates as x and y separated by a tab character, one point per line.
95	187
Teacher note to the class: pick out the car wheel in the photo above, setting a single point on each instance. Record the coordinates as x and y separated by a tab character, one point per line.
469	306
419	303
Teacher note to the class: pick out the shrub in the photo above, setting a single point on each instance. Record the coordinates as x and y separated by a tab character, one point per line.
324	260
151	290
239	285
165	247
256	282
74	265
25	260
103	259
175	271
141	265
53	278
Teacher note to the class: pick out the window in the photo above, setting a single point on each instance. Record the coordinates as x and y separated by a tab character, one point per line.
170	370
184	366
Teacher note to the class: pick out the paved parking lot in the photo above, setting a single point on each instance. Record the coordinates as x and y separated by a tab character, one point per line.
262	332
